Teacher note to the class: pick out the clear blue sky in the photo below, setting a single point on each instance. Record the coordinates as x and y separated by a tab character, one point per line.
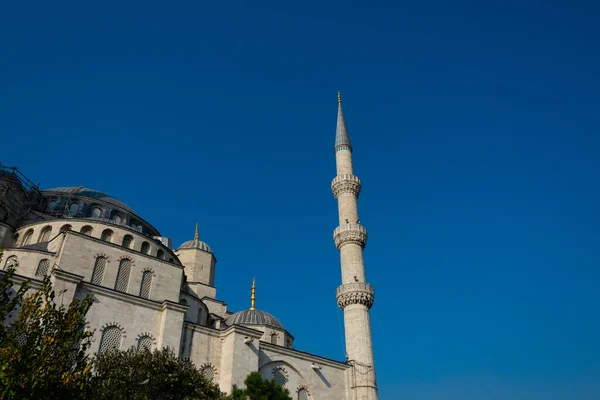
476	135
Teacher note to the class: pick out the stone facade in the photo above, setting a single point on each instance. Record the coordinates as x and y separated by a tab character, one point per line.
147	294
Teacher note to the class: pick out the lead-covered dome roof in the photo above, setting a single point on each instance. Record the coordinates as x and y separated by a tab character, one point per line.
195	244
91	193
253	317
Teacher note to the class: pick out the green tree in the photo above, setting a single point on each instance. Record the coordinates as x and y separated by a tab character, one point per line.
258	388
43	352
146	375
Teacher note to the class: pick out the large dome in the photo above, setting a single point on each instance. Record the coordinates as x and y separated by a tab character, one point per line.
253	317
91	193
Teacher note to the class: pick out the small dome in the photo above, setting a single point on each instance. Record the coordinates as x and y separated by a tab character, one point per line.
253	317
195	244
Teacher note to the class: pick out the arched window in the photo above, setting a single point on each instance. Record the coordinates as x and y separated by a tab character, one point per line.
43	267
208	371
111	339
146	284
145	248
65	228
273	338
87	230
73	209
116	217
302	394
160	254
183	302
27	237
96	212
15	239
201	319
280	376
12	260
171	260
127	241
45	234
123	275
107	235
145	343
99	267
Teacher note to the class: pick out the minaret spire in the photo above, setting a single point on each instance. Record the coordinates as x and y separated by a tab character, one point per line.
355	296
341	133
252	295
196	235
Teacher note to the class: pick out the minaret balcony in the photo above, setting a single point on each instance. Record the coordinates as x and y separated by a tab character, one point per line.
345	183
350	233
355	293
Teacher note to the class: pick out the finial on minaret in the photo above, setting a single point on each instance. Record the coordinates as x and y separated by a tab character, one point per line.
339	97
196	236
252	296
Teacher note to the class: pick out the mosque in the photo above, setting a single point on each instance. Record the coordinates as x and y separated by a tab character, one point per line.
149	294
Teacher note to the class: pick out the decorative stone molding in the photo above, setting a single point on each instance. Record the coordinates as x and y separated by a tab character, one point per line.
109	324
355	293
209	371
305	388
350	233
104	255
345	183
128	258
145	334
149	270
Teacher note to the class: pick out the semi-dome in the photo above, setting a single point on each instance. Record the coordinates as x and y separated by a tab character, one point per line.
195	244
253	317
91	193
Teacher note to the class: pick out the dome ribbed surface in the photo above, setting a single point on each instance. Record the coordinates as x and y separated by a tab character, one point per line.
195	244
253	317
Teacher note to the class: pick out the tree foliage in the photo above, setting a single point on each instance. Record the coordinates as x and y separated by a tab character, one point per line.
145	375
43	352
258	388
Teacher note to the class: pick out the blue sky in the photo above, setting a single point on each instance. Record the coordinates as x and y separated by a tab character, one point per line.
476	135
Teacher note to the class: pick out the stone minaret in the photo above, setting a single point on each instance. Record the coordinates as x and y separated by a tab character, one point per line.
355	296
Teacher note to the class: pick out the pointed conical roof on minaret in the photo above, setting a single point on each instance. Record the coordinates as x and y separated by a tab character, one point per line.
341	133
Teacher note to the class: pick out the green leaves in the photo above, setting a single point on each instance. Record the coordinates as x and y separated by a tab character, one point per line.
43	350
160	374
259	389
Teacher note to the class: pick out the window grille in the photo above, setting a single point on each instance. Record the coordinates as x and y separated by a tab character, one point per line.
107	235
43	268
45	234
273	338
12	260
116	218
111	339
145	343
302	394
73	209
127	241
146	284
279	377
96	212
123	275
27	237
87	230
208	372
99	267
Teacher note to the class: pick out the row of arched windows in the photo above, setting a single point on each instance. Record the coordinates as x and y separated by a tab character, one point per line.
106	235
44	235
123	276
43	267
112	336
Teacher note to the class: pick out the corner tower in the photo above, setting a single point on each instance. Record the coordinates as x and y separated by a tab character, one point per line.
355	296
